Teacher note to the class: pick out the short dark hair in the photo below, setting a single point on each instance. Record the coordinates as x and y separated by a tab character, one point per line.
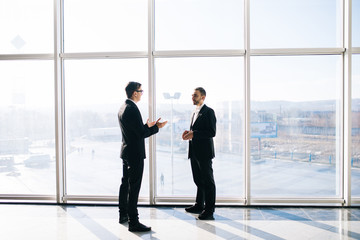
201	90
131	87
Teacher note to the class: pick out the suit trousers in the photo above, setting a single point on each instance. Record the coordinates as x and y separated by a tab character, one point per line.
130	188
204	180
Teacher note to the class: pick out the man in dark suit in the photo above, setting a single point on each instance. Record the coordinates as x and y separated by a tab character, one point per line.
134	132
201	152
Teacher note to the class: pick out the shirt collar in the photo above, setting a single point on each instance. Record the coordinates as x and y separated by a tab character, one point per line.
132	101
198	108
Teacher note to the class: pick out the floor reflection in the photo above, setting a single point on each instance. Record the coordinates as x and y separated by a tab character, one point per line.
19	221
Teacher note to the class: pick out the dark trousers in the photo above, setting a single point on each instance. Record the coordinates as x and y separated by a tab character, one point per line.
204	180
130	188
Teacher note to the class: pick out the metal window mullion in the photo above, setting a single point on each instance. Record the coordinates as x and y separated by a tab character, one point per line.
355	50
199	53
27	197
59	102
187	200
104	55
296	51
247	153
152	106
26	56
296	201
347	98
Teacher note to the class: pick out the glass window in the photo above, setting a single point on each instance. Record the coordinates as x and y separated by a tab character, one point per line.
199	24
27	144
355	23
106	25
295	24
355	149
95	91
295	126
176	79
26	26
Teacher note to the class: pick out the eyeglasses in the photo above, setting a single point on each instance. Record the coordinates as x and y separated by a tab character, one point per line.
140	91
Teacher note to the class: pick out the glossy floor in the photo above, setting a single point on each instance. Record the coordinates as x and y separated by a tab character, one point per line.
25	221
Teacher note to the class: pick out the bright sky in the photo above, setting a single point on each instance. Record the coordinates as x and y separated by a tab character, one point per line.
112	25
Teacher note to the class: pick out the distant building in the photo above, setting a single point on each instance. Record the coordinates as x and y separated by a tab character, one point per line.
14	146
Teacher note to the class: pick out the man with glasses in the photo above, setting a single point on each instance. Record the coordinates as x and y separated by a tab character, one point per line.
134	132
201	152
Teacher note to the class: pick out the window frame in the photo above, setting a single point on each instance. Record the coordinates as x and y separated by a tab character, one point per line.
58	56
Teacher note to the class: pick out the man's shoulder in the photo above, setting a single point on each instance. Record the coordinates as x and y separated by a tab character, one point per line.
209	112
207	108
130	104
127	107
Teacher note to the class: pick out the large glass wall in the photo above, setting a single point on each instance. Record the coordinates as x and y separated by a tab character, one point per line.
295	100
355	133
285	89
295	132
222	79
283	24
208	25
215	24
27	141
355	106
26	26
95	91
355	23
105	26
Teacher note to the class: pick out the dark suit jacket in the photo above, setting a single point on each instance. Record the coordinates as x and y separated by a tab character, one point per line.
134	131
204	128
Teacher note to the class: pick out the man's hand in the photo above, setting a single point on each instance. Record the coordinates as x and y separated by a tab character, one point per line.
184	133
187	135
150	124
160	124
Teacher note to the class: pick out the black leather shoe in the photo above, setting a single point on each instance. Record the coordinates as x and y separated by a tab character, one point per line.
206	215
123	219
194	209
139	227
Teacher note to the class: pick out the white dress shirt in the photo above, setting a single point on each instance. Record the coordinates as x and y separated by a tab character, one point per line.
196	113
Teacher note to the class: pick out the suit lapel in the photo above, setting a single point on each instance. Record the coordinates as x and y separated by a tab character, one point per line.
202	111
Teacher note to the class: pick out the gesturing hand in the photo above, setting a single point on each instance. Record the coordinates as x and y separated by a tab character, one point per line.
150	124
160	124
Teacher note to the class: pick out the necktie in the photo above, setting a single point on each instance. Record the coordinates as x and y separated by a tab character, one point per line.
192	121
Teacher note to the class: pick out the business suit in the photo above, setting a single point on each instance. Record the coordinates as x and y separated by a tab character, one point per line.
201	153
133	154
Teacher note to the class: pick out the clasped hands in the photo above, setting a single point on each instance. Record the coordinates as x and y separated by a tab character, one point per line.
157	122
187	135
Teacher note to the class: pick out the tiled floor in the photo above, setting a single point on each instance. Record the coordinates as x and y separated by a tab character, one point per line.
24	221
